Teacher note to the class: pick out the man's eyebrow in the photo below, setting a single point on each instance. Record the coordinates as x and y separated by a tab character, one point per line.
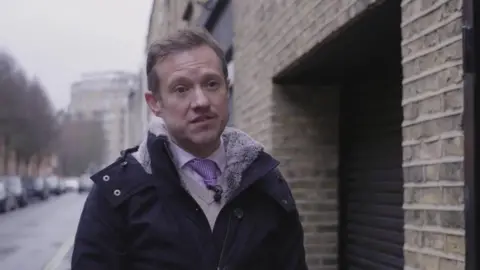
179	76
212	73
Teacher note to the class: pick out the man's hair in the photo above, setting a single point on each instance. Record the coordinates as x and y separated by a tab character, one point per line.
180	41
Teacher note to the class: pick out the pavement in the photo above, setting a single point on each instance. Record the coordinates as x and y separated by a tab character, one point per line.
40	236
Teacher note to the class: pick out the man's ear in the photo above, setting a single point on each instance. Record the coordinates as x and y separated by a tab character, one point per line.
153	103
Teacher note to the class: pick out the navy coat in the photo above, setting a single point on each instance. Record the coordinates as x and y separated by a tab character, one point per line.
137	220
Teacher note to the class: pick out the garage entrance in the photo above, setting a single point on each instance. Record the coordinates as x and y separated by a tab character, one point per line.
471	124
371	178
363	62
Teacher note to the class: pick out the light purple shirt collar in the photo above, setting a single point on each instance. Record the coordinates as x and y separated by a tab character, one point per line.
182	157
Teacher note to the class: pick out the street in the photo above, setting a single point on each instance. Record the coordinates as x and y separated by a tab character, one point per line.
40	236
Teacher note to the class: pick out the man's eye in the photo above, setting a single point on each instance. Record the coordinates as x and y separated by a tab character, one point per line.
180	89
212	84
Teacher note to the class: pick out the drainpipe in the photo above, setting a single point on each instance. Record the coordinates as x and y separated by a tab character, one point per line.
471	165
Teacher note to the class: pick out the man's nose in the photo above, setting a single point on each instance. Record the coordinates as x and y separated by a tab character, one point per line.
199	97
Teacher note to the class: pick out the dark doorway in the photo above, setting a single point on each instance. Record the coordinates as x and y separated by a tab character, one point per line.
371	177
471	125
363	60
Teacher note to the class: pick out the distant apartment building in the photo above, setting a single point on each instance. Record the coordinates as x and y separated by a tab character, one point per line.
137	113
107	96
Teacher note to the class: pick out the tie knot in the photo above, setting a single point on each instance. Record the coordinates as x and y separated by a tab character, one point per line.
206	168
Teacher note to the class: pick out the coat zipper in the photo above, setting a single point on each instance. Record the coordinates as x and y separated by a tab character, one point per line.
222	251
188	196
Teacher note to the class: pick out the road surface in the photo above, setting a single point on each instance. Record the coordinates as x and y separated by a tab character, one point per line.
40	236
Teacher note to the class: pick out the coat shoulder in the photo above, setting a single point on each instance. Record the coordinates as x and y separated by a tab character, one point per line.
118	181
275	185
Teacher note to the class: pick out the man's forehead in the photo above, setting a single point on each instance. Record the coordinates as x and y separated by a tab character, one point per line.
196	58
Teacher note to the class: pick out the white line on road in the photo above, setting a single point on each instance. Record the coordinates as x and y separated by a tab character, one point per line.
55	262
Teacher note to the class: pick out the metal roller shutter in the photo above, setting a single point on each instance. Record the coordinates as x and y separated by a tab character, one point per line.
371	179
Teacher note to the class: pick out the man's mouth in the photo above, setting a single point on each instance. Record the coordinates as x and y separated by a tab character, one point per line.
201	119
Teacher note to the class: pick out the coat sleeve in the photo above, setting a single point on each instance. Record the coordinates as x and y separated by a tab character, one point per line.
290	252
98	243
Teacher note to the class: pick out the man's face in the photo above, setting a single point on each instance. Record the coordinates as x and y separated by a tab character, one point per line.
192	97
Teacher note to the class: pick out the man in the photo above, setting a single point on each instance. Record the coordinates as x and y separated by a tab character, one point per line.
194	195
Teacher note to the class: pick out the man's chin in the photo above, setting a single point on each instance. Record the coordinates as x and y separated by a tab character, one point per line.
205	137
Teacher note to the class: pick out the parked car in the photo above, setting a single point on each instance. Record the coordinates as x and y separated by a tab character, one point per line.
53	184
71	184
7	200
62	188
84	184
36	187
15	187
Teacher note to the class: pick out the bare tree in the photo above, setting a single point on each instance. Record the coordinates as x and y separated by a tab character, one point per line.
29	124
12	96
40	122
27	120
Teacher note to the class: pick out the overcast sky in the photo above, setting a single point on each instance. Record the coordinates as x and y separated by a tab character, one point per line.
57	40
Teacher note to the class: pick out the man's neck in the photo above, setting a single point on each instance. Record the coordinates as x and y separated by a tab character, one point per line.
200	151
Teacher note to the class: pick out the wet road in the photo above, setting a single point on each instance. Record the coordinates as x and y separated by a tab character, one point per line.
39	236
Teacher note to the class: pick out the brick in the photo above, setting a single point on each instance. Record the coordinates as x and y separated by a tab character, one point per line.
453	195
408	195
430	105
411	259
415	217
453	147
431	195
319	249
452	219
319	217
432	173
435	241
428	262
413	174
447	264
455	245
451	171
413	238
409	153
410	111
453	100
430	150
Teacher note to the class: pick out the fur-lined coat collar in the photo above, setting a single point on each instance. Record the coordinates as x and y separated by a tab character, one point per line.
241	150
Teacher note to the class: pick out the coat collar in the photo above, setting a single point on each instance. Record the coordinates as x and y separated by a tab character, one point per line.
139	168
240	152
126	177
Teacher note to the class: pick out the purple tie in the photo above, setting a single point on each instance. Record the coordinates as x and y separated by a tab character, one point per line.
206	168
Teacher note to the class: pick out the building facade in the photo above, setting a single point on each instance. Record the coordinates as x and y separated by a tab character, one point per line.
368	106
362	102
106	96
